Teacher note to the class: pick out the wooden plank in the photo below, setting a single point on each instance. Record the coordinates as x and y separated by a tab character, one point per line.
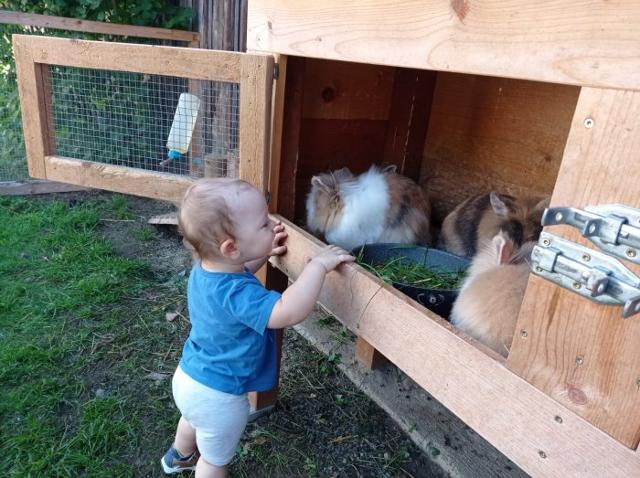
291	128
554	40
31	187
340	90
151	59
33	88
367	355
332	144
581	353
90	26
536	432
255	119
169	218
120	179
277	123
409	120
494	133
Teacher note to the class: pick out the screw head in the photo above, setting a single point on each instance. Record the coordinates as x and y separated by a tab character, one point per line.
524	334
577	285
631	253
546	242
589	123
579	360
558	216
558	419
586	257
542	454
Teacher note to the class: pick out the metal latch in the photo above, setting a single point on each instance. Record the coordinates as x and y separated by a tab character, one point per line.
614	228
589	273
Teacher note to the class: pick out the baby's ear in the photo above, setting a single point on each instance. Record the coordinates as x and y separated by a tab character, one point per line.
228	249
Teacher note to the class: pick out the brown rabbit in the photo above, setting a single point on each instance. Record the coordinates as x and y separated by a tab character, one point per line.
491	294
376	206
478	219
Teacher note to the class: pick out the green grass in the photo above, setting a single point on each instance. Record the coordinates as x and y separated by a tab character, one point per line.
76	319
402	271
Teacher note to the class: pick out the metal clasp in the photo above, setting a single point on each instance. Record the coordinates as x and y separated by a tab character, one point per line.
614	228
589	273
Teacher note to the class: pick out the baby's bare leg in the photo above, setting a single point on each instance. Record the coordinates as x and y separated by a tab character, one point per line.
185	441
207	470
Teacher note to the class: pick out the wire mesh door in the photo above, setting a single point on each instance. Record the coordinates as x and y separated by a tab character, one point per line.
141	119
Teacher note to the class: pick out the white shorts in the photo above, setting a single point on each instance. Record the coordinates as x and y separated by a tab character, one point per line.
219	418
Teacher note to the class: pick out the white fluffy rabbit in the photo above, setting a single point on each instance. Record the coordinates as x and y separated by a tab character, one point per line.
376	206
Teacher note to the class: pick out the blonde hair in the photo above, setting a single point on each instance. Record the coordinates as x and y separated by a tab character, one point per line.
205	220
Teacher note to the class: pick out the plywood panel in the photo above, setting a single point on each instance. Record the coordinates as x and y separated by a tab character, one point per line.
592	44
494	133
541	436
580	353
339	90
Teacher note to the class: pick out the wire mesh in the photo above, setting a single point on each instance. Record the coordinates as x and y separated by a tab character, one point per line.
13	165
151	122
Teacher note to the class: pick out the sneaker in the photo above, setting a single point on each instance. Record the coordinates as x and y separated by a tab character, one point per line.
173	462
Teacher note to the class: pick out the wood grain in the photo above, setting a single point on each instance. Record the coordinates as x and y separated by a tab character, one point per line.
552	40
494	133
120	179
600	166
536	432
90	26
151	59
255	119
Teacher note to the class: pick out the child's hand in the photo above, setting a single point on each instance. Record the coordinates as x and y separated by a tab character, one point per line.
332	256
277	246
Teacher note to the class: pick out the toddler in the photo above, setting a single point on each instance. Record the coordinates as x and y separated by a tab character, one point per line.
231	348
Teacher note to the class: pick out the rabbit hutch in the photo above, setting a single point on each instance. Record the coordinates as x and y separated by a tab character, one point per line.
463	97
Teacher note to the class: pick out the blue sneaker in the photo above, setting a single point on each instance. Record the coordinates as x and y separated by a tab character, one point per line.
172	462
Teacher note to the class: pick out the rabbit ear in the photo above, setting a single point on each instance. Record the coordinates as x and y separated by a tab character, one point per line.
503	247
499	204
317	181
543	204
391	168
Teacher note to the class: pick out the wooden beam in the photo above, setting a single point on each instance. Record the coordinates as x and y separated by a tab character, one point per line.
152	184
367	355
90	26
151	59
30	187
255	119
578	352
34	89
536	432
290	139
409	120
554	41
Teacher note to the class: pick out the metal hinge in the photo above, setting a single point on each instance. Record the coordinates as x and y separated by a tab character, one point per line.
614	228
584	271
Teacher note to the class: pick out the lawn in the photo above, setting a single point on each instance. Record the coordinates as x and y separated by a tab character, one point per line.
87	352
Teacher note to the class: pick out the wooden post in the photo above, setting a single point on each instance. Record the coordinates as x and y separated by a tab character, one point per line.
367	355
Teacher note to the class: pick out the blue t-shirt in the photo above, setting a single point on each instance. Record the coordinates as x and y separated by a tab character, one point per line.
230	348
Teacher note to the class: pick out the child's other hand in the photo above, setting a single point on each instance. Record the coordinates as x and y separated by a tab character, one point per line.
332	256
277	246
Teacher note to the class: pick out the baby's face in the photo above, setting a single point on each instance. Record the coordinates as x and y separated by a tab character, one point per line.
253	229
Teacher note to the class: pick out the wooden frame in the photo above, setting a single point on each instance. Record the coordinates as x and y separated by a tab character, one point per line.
539	434
541	422
553	41
88	26
34	55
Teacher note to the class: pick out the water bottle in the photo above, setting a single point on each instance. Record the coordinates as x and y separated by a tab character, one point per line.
184	121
